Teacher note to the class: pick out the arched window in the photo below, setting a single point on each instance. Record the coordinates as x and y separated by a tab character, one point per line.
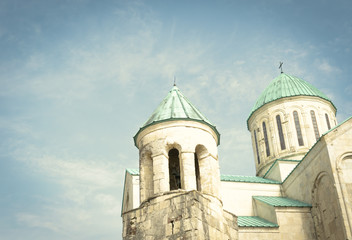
267	148
327	121
256	146
315	125
281	134
196	165
298	129
174	169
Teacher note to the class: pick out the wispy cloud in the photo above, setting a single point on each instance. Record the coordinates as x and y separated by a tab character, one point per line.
326	67
36	221
86	194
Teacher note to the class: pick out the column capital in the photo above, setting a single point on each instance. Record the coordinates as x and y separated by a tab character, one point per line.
162	153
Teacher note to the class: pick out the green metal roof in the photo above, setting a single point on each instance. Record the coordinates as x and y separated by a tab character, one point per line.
133	171
254	221
176	106
287	86
250	179
281	201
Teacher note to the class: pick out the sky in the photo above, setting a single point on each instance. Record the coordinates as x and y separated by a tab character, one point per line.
79	78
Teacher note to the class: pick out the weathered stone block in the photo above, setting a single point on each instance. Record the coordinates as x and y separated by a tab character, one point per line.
178	218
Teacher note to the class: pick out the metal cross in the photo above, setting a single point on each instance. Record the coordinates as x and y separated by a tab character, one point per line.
281	67
174	80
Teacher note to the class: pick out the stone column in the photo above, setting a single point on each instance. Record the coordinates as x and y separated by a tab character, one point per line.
161	173
307	130
215	176
145	176
273	141
188	173
209	175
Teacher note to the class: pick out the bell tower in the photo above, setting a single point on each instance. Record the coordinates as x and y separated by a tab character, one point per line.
179	177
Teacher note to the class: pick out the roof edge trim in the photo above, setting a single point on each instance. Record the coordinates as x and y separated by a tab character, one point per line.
178	119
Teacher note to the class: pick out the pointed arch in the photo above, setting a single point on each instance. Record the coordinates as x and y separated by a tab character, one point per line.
174	169
325	210
209	174
344	172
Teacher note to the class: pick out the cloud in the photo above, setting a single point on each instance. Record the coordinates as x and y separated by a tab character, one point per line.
36	221
99	174
237	155
326	67
84	193
239	62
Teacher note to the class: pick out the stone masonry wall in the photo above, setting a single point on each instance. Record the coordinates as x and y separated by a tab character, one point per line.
180	215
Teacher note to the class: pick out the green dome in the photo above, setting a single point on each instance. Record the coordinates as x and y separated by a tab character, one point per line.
174	107
287	86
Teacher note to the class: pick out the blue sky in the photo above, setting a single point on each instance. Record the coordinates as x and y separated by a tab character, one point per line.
78	79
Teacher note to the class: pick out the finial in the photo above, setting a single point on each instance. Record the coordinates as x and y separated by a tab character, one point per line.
174	80
281	67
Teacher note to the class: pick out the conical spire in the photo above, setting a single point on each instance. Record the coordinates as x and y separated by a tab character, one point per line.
176	106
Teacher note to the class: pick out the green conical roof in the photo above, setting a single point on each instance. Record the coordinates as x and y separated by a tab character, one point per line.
176	106
287	86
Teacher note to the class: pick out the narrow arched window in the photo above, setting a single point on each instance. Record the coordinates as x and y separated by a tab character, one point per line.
327	121
266	140
315	125
196	165
298	129
174	169
281	134
256	146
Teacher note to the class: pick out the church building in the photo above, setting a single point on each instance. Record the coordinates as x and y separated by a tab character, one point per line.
303	183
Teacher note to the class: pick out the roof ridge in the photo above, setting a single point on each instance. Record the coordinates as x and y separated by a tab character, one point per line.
183	106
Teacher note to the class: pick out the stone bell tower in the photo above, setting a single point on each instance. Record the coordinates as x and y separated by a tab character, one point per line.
179	177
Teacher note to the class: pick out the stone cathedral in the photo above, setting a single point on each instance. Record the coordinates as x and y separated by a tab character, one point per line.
303	183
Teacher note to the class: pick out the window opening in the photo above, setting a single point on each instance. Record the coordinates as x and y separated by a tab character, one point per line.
298	129
327	121
315	125
196	164
256	146
267	148
281	134
174	169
